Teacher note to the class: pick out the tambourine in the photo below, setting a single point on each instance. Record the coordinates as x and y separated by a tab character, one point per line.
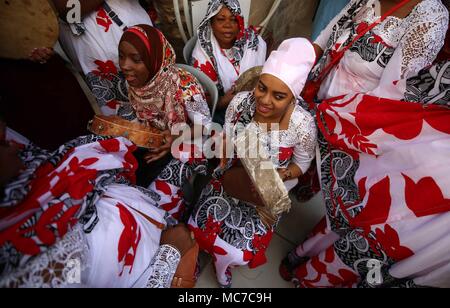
140	135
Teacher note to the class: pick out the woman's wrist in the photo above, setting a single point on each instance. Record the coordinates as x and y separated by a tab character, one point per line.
286	174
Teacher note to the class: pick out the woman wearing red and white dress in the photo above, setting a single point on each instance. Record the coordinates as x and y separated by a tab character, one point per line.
383	151
92	47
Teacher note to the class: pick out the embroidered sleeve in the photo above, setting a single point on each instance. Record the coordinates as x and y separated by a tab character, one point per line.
59	267
304	151
164	265
424	37
198	111
423	41
197	108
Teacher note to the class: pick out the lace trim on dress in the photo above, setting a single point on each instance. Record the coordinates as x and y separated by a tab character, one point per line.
59	267
164	265
421	34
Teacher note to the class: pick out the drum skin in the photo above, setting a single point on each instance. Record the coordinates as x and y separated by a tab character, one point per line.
25	25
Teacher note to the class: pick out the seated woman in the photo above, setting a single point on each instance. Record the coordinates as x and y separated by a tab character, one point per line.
380	61
165	97
92	44
225	49
383	159
71	218
225	221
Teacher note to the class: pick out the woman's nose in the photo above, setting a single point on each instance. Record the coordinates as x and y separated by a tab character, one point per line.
125	65
265	99
227	24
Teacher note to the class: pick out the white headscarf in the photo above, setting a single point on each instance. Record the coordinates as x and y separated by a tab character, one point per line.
291	63
248	51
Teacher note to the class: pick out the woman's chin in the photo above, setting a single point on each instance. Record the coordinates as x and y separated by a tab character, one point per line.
135	84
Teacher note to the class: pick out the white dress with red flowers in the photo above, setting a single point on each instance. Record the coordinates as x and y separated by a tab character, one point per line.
71	218
93	48
383	163
229	229
386	56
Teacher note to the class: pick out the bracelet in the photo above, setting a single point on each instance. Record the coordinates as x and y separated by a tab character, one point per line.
164	265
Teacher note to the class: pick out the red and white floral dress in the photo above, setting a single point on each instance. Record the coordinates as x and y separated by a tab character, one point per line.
72	218
384	151
229	229
93	48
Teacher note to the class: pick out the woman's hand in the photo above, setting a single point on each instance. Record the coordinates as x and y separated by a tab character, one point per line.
290	173
319	52
227	98
179	237
285	174
41	55
156	154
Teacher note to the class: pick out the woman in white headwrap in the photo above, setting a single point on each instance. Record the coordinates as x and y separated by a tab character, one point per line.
225	48
226	221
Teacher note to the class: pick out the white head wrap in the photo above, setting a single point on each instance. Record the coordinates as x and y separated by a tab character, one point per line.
291	63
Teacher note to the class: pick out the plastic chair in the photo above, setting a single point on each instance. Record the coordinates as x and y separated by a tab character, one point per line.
208	85
191	189
189	48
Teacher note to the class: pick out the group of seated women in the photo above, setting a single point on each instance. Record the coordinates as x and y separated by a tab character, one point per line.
375	131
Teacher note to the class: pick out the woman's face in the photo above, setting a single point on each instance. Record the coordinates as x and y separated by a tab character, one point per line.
132	65
225	27
273	97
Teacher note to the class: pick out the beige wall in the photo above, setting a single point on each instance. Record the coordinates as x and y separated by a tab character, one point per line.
293	19
259	10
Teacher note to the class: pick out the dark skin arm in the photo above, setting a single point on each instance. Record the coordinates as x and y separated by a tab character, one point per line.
238	185
179	237
225	100
290	173
236	178
87	6
155	154
319	51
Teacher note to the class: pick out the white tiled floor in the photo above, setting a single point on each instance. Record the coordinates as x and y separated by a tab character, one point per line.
293	229
298	223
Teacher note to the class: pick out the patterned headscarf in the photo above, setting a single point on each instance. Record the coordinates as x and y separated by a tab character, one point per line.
158	103
246	37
